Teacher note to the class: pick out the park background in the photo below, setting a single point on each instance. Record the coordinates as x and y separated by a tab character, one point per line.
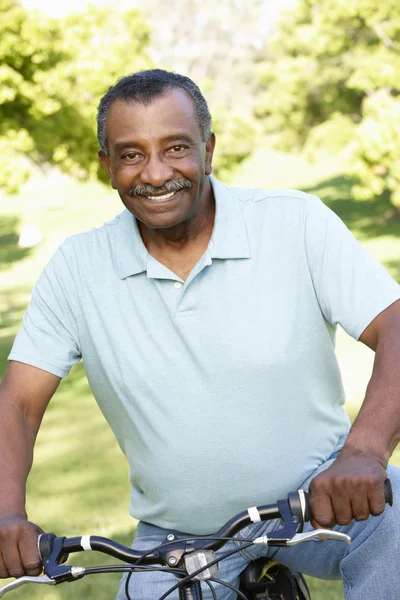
304	94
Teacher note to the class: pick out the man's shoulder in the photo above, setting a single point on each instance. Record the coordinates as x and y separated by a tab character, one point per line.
90	236
279	204
95	239
91	249
282	197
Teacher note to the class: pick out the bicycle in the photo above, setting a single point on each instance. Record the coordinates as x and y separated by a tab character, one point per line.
193	559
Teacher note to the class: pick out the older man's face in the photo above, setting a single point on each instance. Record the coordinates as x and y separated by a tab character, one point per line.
157	160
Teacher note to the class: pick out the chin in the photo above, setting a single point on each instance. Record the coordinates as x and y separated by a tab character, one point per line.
160	223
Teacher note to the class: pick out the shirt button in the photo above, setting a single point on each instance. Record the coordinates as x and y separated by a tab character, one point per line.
177	285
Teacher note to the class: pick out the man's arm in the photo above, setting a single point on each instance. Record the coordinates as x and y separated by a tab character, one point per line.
352	488
24	394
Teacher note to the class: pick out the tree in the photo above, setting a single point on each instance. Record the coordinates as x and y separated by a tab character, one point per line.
52	76
216	44
332	73
27	48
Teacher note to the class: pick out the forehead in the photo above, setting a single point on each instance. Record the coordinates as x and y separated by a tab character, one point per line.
165	116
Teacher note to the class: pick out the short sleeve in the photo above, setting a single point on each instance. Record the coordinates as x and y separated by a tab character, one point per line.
352	288
49	338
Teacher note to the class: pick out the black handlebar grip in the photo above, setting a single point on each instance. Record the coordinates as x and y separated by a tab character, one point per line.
45	544
388	492
300	505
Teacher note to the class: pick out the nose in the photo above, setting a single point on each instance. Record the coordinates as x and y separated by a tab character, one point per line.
156	171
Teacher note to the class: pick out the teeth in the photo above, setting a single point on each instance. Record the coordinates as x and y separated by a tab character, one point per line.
165	197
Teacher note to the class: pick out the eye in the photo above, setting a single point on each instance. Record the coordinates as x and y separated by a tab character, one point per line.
131	156
179	149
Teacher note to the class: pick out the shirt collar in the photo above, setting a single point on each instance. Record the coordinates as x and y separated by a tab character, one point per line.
229	236
228	239
132	254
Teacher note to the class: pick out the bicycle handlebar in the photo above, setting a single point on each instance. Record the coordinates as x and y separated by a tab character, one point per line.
293	512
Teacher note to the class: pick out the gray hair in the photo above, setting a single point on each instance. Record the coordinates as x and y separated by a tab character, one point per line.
143	87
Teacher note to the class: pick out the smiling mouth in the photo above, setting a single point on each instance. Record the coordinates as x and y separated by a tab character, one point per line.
162	197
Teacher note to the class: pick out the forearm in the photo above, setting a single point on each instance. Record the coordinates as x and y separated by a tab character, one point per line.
24	394
17	437
376	430
353	486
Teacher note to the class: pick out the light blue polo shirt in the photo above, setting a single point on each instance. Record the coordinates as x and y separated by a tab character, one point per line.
223	391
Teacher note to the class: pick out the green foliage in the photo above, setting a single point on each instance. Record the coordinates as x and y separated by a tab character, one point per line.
305	78
332	75
102	45
330	137
52	75
236	137
374	156
54	72
27	47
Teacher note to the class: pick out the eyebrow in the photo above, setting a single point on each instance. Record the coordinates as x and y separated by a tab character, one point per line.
170	138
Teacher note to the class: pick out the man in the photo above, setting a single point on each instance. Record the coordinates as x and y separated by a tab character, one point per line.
206	318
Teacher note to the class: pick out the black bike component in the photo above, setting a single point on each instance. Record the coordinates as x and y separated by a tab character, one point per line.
269	581
57	555
267	512
106	546
210	564
55	550
46	544
304	592
253	573
174	552
211	588
297	507
240	595
191	591
388	492
292	524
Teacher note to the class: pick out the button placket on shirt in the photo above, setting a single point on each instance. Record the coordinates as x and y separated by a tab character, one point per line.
187	304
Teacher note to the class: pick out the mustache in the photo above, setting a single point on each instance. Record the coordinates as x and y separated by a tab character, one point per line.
173	185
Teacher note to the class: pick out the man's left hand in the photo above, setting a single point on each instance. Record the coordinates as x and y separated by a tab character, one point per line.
351	488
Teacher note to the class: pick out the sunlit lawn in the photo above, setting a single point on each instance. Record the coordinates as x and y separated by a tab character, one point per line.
79	483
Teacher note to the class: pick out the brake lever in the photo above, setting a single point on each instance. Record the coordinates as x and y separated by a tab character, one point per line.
298	538
43	579
326	534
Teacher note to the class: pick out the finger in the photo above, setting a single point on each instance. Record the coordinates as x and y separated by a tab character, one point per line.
376	498
29	553
12	561
359	501
341	503
360	508
322	510
3	569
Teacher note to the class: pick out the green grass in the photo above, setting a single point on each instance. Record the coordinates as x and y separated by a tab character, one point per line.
79	482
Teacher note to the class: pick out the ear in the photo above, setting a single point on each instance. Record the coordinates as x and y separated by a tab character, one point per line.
210	145
106	162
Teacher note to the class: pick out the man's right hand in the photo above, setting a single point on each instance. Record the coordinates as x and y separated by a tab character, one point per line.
19	553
